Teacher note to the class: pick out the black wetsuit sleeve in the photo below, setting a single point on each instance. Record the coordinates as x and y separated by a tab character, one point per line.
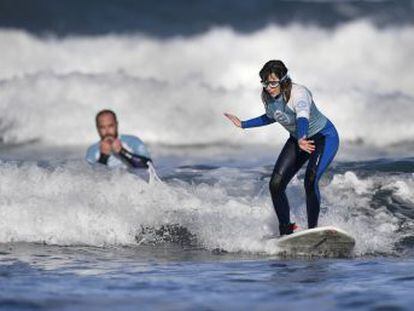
134	160
103	158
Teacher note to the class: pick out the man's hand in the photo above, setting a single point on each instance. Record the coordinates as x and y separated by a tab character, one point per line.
116	146
306	145
106	146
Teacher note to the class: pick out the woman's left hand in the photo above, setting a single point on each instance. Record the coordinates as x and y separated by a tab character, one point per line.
306	145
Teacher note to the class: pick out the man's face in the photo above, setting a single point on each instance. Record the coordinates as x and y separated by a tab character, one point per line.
107	126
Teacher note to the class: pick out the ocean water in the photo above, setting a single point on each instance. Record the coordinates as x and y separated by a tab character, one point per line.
74	237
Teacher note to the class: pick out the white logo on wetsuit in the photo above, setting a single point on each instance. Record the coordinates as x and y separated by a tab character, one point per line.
281	117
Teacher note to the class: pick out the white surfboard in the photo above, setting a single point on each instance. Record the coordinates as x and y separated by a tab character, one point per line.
323	241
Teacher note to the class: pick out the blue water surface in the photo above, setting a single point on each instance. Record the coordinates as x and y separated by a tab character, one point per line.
34	277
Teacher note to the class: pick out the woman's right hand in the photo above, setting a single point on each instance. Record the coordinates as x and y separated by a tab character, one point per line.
236	121
306	145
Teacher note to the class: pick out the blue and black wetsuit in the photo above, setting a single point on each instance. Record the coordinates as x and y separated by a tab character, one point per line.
133	154
302	119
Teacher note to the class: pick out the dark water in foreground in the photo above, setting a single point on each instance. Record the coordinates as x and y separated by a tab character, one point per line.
36	277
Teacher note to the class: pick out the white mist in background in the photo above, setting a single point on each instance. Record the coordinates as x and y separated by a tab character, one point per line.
173	91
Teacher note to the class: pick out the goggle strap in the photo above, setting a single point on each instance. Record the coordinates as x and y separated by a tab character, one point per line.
283	78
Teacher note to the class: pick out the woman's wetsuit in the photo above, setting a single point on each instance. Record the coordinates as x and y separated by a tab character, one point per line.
302	119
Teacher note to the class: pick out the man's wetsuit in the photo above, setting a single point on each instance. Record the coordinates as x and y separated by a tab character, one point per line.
302	119
133	154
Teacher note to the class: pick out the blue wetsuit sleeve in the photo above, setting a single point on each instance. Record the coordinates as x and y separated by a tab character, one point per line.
259	121
302	127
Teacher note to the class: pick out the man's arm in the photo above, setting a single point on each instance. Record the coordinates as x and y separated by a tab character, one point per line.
105	147
94	155
135	160
103	158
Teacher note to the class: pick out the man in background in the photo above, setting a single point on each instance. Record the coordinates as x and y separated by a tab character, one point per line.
116	150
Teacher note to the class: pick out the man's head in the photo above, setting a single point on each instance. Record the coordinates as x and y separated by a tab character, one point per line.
107	124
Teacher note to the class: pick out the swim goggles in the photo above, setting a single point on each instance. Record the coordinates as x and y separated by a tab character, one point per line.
273	84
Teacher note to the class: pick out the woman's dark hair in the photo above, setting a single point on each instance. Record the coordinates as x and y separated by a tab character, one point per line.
279	69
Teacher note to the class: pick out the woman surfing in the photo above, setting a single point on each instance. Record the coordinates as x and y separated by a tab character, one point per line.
312	138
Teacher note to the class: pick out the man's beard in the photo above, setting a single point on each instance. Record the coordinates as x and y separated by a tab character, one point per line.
110	136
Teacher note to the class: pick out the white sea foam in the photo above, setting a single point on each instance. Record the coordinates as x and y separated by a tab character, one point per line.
353	206
402	189
226	208
174	91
